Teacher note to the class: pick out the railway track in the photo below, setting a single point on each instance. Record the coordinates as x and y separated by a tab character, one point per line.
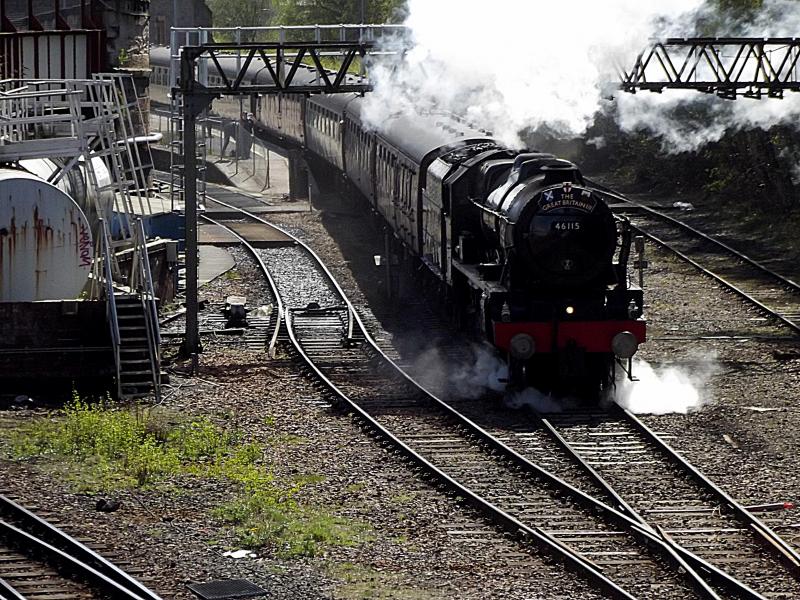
262	329
773	294
615	548
633	469
39	561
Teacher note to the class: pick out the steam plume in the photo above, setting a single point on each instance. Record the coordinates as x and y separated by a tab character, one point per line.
524	66
518	65
480	373
670	390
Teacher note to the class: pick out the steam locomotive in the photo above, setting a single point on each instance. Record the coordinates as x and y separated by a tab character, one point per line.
527	248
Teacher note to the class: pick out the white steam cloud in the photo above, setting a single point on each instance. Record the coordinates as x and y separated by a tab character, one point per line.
522	66
664	391
518	65
655	391
481	373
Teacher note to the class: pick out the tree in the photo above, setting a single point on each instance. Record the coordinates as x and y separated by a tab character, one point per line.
322	12
241	13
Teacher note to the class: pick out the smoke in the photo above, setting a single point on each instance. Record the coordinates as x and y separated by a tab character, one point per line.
515	66
664	391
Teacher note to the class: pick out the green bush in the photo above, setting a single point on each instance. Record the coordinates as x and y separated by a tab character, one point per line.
131	446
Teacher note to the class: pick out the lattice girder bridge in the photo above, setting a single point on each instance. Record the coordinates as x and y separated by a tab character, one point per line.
203	76
727	67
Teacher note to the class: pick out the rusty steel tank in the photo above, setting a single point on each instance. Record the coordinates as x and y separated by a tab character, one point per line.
46	249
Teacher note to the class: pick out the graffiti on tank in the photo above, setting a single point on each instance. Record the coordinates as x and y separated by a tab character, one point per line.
85	246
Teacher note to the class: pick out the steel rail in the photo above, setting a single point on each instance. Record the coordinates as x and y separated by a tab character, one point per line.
773	541
9	593
271	349
497	515
59	546
64	562
683	559
709	273
507	521
721	577
696	232
720	279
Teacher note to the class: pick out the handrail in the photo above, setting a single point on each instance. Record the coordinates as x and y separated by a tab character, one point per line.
111	303
148	298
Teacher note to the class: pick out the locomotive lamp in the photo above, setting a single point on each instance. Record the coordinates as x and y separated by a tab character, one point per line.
633	310
505	313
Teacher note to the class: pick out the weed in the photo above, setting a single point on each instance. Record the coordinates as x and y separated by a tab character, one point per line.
403	498
111	448
354	488
288	439
268	515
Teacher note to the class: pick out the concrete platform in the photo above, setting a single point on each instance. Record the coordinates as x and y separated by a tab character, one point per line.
257	234
215	235
214	262
260	235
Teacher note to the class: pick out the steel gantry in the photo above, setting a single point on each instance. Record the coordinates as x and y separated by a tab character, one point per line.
211	70
727	67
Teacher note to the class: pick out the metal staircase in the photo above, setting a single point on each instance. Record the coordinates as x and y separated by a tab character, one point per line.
136	373
132	318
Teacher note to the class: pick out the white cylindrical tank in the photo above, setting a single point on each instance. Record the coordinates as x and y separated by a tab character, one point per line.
46	249
79	186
